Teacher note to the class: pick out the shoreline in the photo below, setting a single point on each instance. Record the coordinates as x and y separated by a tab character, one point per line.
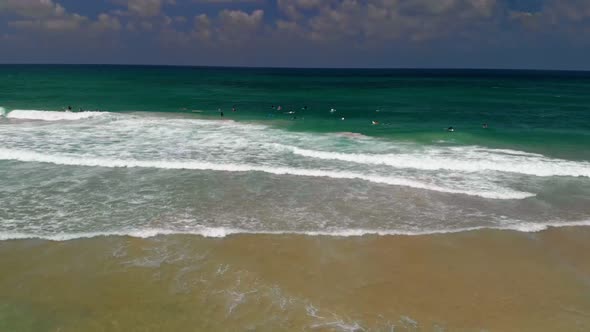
226	233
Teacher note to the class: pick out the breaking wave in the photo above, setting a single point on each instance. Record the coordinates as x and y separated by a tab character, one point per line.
52	115
499	160
26	156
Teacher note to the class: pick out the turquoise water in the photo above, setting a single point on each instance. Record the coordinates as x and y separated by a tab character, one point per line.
155	156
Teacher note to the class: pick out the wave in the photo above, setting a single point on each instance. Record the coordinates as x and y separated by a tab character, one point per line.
534	165
26	156
222	232
349	134
52	115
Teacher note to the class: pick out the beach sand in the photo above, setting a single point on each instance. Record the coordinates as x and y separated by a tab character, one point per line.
472	281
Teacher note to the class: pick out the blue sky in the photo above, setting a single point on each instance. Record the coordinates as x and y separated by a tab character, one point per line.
541	34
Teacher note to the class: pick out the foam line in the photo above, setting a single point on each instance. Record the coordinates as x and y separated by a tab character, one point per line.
26	156
530	166
221	232
52	115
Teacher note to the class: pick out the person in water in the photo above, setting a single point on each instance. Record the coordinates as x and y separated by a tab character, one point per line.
233	109
450	129
220	112
485	126
69	108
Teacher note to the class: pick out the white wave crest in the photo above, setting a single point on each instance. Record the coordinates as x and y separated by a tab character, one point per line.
529	164
221	232
73	160
52	115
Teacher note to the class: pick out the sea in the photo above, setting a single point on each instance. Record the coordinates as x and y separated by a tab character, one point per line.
164	160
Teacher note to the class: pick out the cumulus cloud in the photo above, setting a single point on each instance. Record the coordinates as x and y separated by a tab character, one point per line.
32	8
295	9
379	20
237	20
41	15
106	22
147	8
571	10
555	12
50	24
202	30
143	8
330	25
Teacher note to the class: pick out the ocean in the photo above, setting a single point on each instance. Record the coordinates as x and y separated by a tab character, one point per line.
160	166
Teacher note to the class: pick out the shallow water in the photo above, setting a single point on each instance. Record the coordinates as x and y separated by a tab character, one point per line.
68	175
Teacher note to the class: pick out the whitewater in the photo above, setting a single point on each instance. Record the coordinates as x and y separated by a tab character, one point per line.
85	174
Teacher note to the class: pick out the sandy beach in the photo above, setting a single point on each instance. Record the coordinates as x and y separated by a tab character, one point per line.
472	281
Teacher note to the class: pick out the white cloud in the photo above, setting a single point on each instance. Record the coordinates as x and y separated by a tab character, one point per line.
32	8
237	25
147	8
557	14
106	22
381	20
65	23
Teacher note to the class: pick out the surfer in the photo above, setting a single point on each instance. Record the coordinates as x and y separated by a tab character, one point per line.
375	122
450	129
233	109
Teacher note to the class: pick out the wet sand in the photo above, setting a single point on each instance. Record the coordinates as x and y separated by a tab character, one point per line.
472	281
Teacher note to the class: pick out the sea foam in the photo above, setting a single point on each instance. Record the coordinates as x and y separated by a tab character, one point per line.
529	164
52	115
72	160
222	232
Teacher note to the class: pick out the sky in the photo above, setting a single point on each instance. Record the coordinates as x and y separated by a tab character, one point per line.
526	34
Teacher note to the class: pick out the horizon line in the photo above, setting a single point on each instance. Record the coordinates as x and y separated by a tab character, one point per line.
294	67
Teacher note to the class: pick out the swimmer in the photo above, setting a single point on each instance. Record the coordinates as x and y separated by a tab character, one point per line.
304	108
342	119
69	108
220	112
450	129
485	126
332	110
375	122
